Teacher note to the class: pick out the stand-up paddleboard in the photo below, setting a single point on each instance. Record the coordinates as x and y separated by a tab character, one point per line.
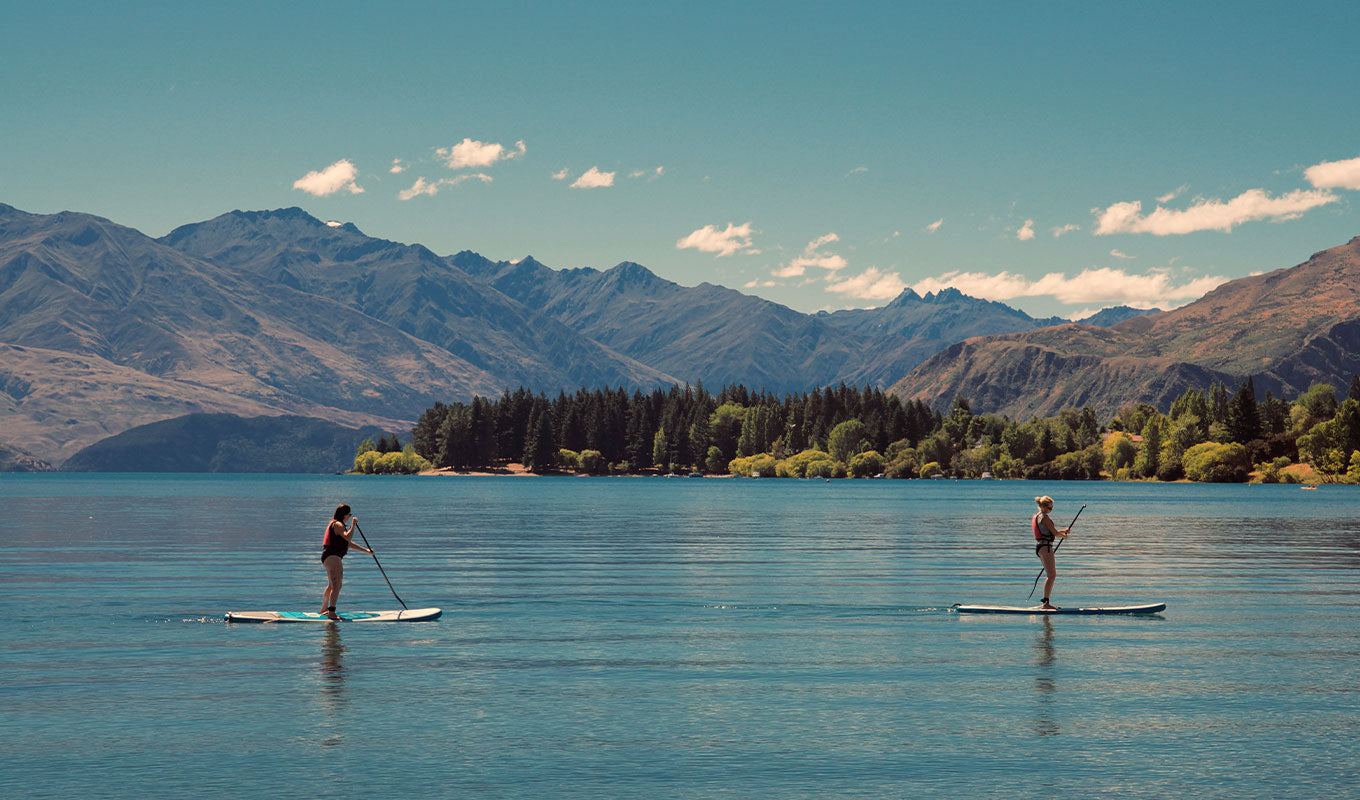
1150	608
399	615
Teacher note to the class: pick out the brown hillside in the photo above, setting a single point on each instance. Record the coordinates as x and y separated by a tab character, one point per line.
1287	329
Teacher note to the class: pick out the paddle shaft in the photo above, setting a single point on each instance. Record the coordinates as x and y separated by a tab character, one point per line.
384	572
1055	549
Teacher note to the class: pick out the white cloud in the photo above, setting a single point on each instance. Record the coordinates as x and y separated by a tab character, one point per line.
651	174
934	226
337	176
418	188
872	284
1209	215
1120	254
857	170
560	175
709	239
1155	288
1173	194
473	153
1335	174
431	188
757	283
397	167
826	238
1026	231
593	179
813	257
1062	229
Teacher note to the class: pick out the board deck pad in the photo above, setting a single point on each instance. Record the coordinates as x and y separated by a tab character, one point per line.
397	615
1150	608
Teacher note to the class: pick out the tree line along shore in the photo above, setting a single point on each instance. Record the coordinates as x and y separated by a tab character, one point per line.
844	431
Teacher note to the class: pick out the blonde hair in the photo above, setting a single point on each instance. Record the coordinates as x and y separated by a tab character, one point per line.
1045	500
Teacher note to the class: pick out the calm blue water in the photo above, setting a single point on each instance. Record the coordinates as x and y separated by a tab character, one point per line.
675	638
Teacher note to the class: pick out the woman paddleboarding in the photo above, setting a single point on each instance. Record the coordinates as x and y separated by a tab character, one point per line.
1044	534
334	545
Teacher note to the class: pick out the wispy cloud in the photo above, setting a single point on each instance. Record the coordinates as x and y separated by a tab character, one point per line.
560	175
338	176
593	178
1173	194
934	226
756	283
1155	288
1209	215
474	153
397	167
709	239
1335	174
650	174
1120	254
1064	229
431	188
871	284
1026	231
813	256
857	170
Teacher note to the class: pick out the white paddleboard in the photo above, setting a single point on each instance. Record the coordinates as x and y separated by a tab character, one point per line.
1150	608
399	615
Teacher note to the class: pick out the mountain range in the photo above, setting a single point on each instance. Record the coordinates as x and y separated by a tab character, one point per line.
271	313
103	328
1286	329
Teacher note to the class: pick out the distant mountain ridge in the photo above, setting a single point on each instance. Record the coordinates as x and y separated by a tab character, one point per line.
718	335
1287	329
226	443
276	312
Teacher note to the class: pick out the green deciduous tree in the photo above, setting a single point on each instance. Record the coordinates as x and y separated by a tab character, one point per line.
1149	457
846	439
1212	462
715	461
1119	451
866	464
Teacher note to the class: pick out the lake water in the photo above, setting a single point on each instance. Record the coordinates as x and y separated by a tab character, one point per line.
675	638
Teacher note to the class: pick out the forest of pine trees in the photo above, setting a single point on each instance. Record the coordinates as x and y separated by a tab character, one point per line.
846	431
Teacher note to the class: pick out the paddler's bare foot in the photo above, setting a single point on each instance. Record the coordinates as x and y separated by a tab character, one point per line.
331	615
1048	607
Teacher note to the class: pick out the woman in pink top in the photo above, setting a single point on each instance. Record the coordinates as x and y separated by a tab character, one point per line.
334	545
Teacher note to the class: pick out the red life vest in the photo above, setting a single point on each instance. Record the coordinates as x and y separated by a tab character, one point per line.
334	543
1041	533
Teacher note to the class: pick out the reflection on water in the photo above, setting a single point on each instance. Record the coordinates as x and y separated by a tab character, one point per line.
332	677
1045	722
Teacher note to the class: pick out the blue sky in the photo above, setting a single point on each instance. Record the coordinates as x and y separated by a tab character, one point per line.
823	156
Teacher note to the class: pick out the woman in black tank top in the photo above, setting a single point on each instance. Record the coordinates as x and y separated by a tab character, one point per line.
1044	534
334	545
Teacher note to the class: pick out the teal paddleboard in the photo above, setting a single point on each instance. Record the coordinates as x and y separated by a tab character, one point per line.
399	615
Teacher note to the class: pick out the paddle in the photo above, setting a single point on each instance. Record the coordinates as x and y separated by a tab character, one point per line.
1055	549
384	572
